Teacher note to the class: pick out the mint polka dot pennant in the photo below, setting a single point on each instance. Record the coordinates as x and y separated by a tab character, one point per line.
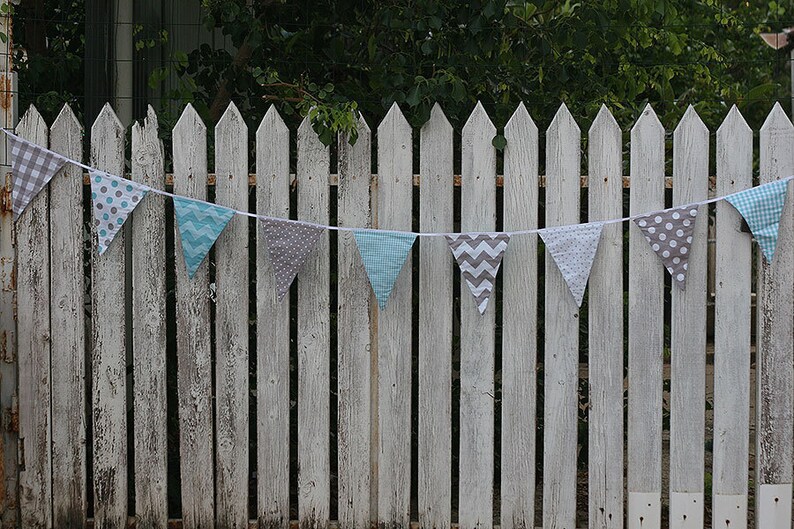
113	200
573	249
669	233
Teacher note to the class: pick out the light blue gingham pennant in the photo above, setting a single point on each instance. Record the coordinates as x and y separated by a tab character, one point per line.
762	207
384	255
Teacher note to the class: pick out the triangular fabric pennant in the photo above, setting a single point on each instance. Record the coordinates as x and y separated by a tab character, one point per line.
200	224
33	168
669	233
113	198
574	249
761	208
384	254
289	243
479	255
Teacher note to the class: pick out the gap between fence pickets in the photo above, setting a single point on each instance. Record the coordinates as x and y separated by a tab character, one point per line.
333	180
176	523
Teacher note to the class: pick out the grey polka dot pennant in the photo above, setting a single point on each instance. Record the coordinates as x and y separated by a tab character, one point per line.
289	243
114	199
669	233
573	249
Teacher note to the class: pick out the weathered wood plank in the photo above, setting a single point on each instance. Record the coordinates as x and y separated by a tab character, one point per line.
519	323
193	340
775	370
353	332
67	322
646	330
394	200
148	328
732	327
33	345
605	327
478	213
109	356
314	335
273	331
688	332
435	324
561	357
231	325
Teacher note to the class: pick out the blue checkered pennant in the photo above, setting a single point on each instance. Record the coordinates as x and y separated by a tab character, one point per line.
762	207
384	254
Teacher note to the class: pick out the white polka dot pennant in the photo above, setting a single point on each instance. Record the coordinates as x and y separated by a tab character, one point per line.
573	249
289	243
114	199
669	233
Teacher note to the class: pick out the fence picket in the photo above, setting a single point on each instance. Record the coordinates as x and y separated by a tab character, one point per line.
775	371
688	331
314	335
193	341
148	328
109	352
231	324
67	321
34	338
477	333
435	323
519	323
646	330
353	332
605	327
561	357
273	331
394	207
732	327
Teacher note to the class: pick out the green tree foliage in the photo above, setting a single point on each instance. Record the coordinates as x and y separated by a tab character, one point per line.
332	59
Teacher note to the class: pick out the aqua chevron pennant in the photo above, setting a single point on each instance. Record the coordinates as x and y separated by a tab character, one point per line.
113	199
200	225
384	254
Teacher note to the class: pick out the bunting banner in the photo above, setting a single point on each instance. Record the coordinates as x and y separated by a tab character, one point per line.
669	233
479	256
384	254
200	224
113	200
289	243
761	207
33	168
573	249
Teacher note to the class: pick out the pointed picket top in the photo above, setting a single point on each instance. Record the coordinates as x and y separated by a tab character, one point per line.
647	123
272	123
734	123
149	122
520	123
106	122
438	120
563	123
394	120
32	126
66	119
776	120
691	125
230	120
308	137
479	121
604	122
189	122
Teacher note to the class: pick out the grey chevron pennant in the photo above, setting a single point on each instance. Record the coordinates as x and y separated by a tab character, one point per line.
479	255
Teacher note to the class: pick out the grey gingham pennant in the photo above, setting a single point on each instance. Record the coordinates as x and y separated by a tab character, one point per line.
33	167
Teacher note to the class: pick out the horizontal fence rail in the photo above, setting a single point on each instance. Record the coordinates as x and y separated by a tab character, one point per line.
151	398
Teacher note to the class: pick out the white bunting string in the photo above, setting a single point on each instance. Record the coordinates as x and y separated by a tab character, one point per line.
341	228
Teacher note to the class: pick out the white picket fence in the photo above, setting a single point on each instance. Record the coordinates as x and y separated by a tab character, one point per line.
374	348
